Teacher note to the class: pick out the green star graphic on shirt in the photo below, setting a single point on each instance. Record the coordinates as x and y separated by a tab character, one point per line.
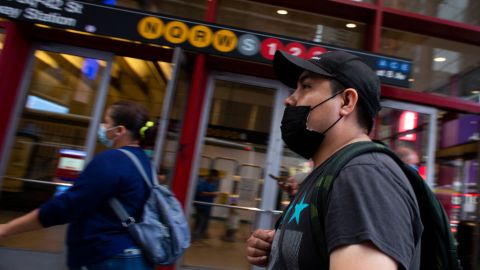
298	210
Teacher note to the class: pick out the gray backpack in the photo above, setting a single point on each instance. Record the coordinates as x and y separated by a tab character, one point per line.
163	233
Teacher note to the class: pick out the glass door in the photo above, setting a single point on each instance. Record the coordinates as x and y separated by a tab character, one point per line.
170	119
233	194
411	131
64	96
160	86
51	138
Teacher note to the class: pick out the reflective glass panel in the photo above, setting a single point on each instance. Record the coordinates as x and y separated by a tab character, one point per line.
293	23
236	146
458	164
463	11
439	66
48	149
145	82
405	131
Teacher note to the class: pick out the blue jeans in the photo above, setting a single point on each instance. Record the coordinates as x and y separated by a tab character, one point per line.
129	259
201	223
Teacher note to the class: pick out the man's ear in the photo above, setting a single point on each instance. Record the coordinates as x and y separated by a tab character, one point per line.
350	100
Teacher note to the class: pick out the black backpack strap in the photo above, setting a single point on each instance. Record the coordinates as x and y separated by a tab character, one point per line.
438	245
322	187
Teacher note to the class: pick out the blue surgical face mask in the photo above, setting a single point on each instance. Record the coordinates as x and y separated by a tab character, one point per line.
102	136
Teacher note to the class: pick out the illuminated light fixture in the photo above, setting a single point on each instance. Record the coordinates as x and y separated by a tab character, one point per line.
282	12
42	25
79	32
408	121
46	58
475	91
439	59
411	80
351	25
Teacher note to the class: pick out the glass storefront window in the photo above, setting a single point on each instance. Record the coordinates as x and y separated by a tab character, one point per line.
299	24
454	10
145	82
457	167
192	9
48	149
439	66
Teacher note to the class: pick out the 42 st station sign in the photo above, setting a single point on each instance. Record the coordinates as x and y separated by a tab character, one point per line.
189	34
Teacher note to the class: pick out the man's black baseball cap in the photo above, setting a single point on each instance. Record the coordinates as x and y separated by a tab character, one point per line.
346	68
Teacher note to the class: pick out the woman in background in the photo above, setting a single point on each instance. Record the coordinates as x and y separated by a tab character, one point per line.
96	238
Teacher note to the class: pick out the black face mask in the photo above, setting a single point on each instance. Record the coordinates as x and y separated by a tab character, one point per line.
295	133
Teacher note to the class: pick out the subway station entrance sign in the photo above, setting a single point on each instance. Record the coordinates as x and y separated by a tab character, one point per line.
192	35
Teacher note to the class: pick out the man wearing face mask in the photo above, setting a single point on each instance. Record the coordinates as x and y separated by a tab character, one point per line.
372	219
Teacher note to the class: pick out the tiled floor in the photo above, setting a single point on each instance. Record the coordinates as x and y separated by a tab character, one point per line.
46	247
214	253
46	240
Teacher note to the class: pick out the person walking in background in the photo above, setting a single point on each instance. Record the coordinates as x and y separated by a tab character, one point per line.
292	183
372	218
96	238
409	156
207	190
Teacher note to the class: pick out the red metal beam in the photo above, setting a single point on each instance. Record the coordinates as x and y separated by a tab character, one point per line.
448	103
190	127
345	9
393	18
437	101
191	122
13	59
375	29
431	26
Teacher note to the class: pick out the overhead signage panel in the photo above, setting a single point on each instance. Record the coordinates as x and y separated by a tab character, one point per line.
189	34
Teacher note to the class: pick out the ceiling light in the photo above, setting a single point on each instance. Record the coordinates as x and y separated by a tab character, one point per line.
282	12
351	25
475	91
439	59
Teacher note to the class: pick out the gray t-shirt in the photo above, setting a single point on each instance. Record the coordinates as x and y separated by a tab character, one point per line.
371	200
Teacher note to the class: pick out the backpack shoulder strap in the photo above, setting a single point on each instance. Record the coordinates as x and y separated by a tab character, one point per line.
139	166
116	205
438	244
331	168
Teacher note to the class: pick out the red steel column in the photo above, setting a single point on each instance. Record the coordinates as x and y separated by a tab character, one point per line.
188	138
191	122
373	38
13	59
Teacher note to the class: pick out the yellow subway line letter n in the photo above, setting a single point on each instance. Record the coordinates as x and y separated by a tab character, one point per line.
150	27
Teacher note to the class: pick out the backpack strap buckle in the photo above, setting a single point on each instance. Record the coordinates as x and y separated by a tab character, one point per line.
129	221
